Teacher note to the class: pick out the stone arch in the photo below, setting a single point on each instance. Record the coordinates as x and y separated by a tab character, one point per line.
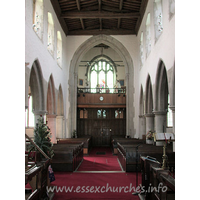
149	96
60	115
142	122
129	69
51	101
141	101
161	98
51	108
60	104
161	88
149	105
36	87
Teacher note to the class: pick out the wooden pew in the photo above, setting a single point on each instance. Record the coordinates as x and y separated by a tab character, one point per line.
127	154
67	157
160	177
157	183
146	165
123	140
86	140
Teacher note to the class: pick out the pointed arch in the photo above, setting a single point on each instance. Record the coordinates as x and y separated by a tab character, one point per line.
36	86
60	105
129	70
51	103
149	96
142	109
161	88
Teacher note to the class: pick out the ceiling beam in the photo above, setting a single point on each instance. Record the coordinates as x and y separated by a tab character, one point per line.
98	14
57	10
99	4
103	31
142	11
120	8
79	8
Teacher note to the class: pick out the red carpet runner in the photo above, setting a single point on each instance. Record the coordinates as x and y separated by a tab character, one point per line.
108	186
100	162
98	186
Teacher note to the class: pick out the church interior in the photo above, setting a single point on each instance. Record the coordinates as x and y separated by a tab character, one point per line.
100	99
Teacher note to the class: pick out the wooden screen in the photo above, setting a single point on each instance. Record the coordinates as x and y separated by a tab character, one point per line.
101	124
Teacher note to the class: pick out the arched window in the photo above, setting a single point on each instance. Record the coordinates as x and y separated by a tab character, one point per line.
59	49
158	18
101	74
38	17
171	7
148	35
141	49
50	45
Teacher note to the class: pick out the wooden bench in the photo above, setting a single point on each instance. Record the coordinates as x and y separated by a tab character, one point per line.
67	157
87	142
127	155
123	140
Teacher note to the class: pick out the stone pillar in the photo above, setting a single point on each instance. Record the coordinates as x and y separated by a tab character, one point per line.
59	127
149	122
160	121
38	114
52	125
142	126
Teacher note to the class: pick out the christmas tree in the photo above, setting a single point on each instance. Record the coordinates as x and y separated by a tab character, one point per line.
42	138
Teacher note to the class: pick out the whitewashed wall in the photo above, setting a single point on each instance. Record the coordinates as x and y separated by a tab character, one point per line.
163	48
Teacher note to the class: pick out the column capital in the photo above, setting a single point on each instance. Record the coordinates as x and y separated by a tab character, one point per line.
160	112
141	116
149	115
172	108
39	112
51	116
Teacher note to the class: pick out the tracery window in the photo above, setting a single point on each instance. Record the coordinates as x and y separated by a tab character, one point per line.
101	75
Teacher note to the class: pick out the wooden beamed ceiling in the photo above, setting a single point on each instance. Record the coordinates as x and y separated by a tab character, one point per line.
94	17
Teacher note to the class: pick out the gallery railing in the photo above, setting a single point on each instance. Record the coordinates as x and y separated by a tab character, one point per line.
102	90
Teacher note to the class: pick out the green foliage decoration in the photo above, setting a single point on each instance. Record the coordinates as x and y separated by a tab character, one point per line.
42	137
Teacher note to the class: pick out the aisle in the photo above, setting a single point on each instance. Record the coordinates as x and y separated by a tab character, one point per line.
100	159
98	186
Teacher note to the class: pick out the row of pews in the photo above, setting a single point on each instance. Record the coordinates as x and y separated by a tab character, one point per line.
68	153
130	150
157	183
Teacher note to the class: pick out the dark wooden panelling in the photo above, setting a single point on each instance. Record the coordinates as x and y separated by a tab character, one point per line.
101	129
